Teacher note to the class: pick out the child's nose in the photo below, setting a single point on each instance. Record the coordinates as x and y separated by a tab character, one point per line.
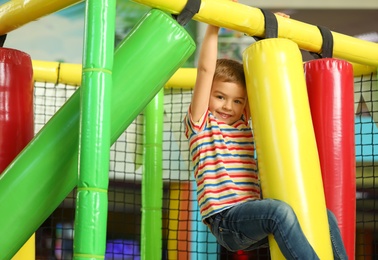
227	105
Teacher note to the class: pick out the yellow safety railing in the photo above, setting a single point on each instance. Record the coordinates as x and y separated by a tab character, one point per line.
224	13
184	78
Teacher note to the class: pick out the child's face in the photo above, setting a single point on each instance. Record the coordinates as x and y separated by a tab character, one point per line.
227	101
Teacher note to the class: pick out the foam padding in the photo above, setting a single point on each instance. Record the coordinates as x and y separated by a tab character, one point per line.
16	117
16	99
330	85
285	141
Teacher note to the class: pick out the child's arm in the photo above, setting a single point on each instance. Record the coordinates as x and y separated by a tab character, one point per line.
205	73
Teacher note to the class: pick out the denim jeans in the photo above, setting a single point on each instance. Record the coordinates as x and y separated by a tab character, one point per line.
246	227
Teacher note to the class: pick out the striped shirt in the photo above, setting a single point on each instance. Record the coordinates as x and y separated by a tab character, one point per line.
223	162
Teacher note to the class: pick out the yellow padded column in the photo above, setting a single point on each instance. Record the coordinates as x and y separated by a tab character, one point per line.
27	251
285	141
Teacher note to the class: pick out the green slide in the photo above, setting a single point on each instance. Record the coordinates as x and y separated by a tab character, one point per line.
45	172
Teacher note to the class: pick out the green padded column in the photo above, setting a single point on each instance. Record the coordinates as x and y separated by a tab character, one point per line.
94	134
152	182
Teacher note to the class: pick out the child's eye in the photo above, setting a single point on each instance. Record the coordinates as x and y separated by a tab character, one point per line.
220	97
238	102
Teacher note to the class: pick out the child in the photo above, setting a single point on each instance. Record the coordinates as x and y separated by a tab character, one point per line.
222	150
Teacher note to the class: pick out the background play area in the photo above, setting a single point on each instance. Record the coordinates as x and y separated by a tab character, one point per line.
55	42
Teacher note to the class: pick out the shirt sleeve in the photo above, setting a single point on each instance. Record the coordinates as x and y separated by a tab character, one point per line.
192	127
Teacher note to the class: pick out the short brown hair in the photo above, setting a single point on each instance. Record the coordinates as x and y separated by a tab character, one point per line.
228	70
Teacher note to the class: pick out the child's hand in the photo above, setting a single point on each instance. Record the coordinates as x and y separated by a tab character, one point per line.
282	14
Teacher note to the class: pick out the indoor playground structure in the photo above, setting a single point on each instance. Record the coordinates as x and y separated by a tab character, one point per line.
94	160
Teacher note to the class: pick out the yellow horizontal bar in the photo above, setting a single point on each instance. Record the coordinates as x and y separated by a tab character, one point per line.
184	78
250	20
15	13
56	72
360	69
224	13
71	74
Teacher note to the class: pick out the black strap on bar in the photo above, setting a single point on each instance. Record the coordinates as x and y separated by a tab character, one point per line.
191	8
327	45
2	39
270	25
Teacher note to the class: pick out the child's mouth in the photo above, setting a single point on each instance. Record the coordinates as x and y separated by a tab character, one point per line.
223	115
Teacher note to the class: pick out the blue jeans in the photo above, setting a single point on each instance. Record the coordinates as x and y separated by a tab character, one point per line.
246	227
